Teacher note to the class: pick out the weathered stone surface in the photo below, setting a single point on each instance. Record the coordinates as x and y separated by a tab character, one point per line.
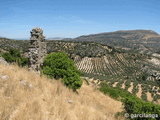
3	61
69	101
4	77
37	49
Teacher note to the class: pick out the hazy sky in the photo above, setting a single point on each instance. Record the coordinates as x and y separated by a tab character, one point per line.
72	18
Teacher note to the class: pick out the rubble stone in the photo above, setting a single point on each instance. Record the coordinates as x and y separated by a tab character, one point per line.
3	61
37	49
4	77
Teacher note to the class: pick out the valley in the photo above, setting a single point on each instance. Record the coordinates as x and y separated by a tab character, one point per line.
136	69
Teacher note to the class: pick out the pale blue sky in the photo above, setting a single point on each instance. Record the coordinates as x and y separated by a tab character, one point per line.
72	18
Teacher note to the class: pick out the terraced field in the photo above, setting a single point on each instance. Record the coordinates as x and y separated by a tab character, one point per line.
121	71
110	64
147	92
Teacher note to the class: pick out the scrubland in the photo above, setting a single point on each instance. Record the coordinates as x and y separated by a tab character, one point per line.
25	95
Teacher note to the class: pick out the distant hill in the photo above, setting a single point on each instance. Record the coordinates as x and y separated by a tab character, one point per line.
6	44
58	38
142	40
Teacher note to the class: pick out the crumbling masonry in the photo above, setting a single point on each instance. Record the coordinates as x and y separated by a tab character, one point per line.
37	49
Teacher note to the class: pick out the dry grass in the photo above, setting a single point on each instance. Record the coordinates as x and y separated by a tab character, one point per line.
149	96
130	88
27	96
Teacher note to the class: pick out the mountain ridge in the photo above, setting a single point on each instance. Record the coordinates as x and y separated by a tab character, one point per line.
118	31
131	39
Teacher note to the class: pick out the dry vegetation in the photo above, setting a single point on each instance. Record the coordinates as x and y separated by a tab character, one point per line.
25	95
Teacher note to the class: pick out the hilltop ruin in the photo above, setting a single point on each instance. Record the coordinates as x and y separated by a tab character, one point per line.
37	49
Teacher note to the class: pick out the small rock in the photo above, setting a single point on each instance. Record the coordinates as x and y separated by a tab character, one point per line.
69	101
30	85
47	112
3	61
4	77
23	82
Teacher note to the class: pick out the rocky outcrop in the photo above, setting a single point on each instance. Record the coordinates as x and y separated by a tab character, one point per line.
3	61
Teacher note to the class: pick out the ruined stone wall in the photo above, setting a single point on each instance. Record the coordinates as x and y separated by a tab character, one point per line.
37	49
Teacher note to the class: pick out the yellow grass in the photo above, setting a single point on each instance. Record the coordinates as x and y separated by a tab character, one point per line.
130	88
27	96
149	96
115	84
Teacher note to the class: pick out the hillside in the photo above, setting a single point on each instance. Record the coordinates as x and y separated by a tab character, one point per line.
24	95
142	40
6	44
129	70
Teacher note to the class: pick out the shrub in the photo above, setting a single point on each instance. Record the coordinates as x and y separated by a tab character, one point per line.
112	92
58	65
144	96
14	56
132	104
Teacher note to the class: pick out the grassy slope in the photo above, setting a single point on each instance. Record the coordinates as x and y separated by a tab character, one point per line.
46	99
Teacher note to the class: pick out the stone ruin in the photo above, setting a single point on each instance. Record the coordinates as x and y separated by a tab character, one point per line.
37	49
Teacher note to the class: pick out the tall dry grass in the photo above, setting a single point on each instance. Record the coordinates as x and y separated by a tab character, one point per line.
27	96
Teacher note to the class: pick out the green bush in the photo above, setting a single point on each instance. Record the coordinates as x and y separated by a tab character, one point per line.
58	65
132	104
14	56
112	92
